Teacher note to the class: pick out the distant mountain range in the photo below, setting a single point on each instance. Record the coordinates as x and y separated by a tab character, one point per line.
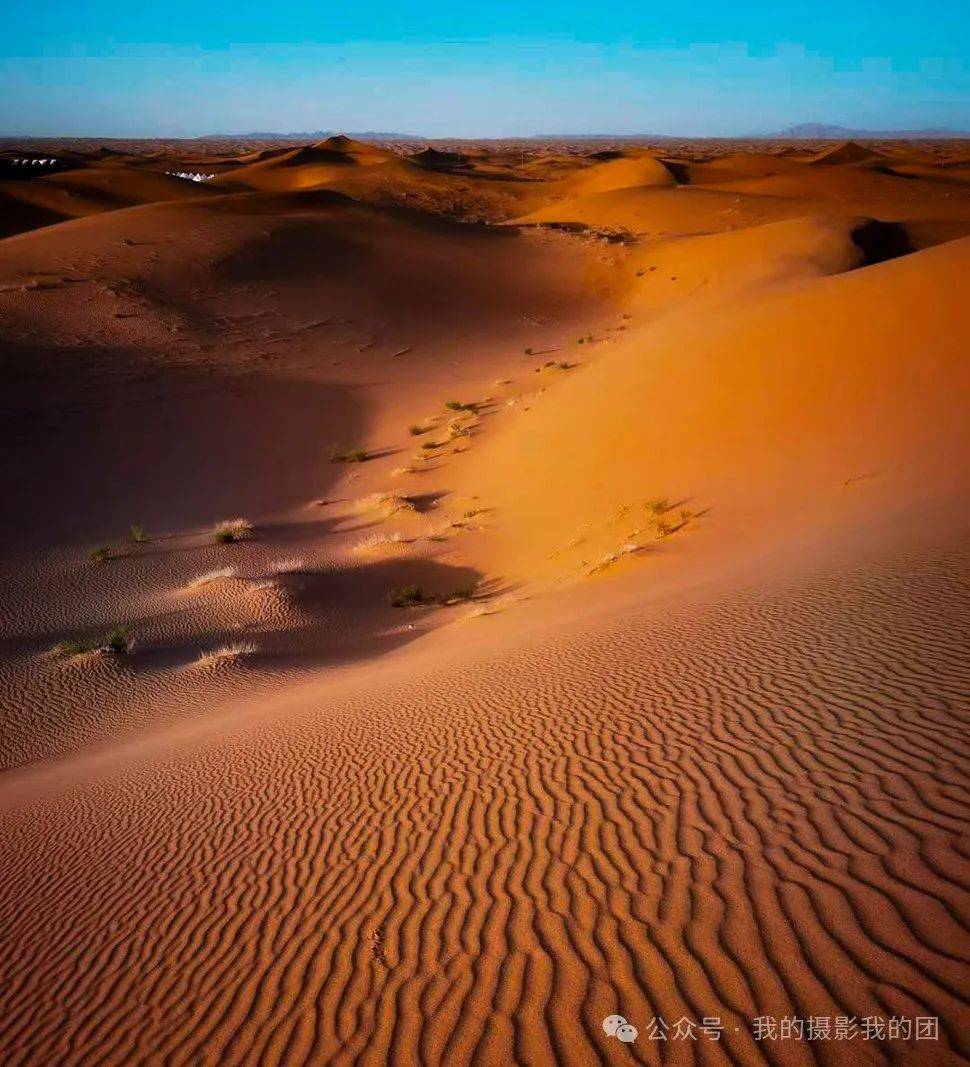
820	131
806	131
310	135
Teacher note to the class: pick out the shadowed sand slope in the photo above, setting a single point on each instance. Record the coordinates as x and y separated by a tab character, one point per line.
750	807
171	366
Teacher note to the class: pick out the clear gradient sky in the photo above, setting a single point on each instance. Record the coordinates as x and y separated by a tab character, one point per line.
494	68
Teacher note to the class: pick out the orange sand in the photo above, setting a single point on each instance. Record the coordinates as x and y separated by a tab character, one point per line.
679	725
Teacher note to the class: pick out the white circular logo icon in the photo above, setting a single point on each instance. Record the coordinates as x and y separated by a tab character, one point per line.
612	1023
627	1033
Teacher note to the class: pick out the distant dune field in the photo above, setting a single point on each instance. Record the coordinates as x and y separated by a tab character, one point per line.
452	595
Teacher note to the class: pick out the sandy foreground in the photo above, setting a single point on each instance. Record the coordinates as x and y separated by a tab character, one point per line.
597	642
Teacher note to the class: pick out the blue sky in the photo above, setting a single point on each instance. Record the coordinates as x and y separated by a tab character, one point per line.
107	67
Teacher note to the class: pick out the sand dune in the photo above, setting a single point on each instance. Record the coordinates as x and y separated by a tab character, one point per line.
448	599
766	820
842	394
624	174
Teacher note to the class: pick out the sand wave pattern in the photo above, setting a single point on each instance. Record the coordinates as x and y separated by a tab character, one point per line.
752	807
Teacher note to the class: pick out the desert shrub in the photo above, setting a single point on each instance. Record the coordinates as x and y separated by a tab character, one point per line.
349	455
408	596
116	640
138	534
660	506
101	554
229	531
428	445
415	431
664	529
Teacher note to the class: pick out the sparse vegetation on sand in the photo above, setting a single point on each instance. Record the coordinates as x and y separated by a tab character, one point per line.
226	654
388	503
100	554
664	529
382	539
413	596
230	531
138	534
115	641
415	430
457	405
658	507
408	596
429	445
349	455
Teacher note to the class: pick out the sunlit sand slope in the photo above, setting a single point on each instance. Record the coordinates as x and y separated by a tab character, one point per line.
835	404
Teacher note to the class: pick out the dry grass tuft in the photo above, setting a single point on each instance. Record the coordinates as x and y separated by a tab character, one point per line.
377	541
409	596
230	531
349	455
116	642
212	576
388	503
226	654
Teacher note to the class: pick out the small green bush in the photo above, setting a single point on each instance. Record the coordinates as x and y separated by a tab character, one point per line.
101	554
116	641
138	534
